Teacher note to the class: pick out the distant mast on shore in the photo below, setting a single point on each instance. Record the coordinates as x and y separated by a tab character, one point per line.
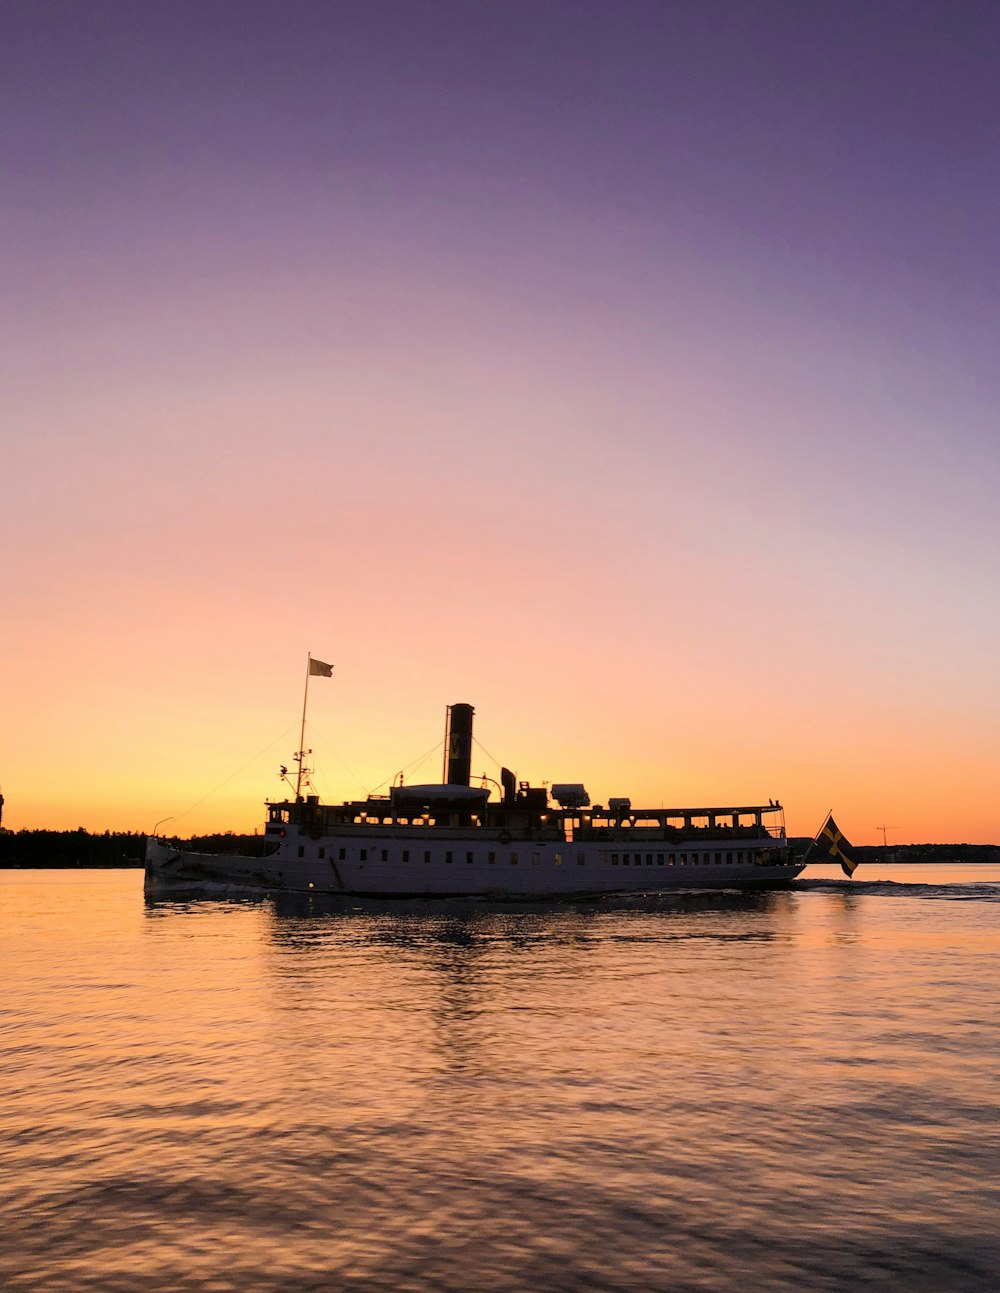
887	856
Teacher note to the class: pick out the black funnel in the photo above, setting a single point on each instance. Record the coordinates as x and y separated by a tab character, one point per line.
458	744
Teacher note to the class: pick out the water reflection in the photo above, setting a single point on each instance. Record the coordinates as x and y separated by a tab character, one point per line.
775	1090
308	906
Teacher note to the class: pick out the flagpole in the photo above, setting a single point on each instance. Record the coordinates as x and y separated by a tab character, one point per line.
302	732
812	842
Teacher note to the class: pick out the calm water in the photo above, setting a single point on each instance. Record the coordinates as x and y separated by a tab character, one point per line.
788	1091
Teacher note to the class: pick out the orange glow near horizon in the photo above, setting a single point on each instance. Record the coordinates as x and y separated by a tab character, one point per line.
660	614
209	759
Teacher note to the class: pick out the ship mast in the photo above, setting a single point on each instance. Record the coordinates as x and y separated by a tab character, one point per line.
301	752
322	670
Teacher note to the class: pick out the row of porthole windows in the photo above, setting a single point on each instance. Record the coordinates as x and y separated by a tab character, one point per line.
449	857
676	859
623	859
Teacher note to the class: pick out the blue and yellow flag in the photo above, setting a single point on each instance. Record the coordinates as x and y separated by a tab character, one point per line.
830	845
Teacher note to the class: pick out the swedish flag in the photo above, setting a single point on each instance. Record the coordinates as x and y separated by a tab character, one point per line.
830	845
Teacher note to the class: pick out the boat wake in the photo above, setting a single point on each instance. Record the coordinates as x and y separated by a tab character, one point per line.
958	891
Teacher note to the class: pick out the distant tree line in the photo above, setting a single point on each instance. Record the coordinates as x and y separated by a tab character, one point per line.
930	853
79	848
252	846
40	849
912	853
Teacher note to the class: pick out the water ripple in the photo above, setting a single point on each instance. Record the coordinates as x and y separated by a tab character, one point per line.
696	1092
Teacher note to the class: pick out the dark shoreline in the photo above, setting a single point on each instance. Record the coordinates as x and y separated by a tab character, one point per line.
80	850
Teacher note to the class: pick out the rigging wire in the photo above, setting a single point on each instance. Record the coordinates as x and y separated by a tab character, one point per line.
475	741
318	781
416	763
339	761
226	781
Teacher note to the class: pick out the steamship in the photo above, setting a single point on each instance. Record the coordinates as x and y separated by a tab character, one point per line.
454	840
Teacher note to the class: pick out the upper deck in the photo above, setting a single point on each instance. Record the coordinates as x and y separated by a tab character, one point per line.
529	816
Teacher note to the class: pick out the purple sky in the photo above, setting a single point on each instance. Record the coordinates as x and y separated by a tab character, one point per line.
858	139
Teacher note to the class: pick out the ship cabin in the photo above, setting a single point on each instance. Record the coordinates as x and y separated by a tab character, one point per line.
444	810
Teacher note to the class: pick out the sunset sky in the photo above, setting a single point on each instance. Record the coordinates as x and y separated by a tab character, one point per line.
628	370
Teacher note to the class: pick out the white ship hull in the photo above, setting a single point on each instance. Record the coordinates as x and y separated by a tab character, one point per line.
404	866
